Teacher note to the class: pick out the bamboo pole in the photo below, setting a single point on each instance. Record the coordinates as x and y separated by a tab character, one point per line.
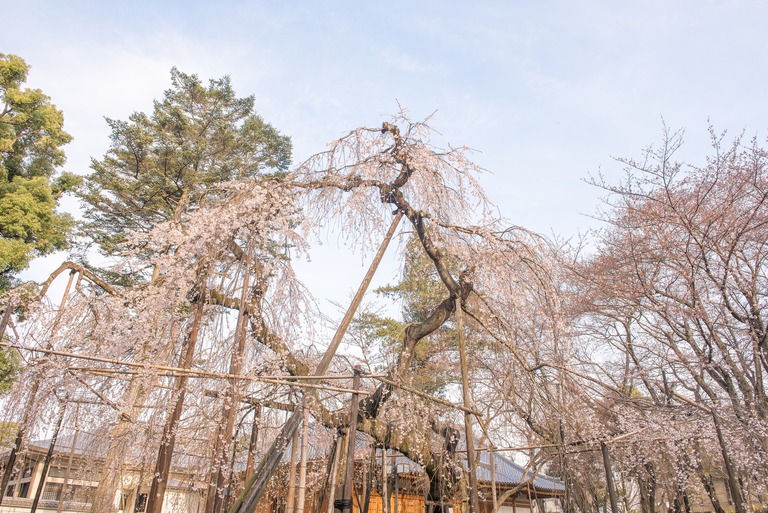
384	481
291	499
494	493
180	372
301	496
424	395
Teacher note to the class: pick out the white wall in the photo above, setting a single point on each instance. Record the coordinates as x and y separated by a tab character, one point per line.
180	502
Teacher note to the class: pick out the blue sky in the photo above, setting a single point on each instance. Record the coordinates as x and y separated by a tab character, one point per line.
546	91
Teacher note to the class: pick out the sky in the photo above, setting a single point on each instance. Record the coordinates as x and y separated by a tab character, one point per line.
547	92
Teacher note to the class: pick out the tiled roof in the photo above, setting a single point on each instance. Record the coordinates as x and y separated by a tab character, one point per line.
507	471
510	473
86	444
95	447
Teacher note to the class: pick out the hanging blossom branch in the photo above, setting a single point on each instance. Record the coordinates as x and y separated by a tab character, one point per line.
367	172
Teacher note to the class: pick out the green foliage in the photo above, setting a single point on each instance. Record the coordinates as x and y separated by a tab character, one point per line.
161	165
420	288
28	222
10	366
31	136
8	432
378	333
31	133
374	327
419	291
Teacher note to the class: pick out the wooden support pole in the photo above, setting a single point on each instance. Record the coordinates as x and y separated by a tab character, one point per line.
230	477
564	468
325	363
254	488
47	463
249	466
6	318
472	467
609	478
328	471
168	440
349	475
397	483
72	449
369	481
335	473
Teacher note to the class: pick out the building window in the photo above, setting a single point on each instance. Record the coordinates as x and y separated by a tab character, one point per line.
9	491
57	471
82	493
141	503
24	490
52	491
